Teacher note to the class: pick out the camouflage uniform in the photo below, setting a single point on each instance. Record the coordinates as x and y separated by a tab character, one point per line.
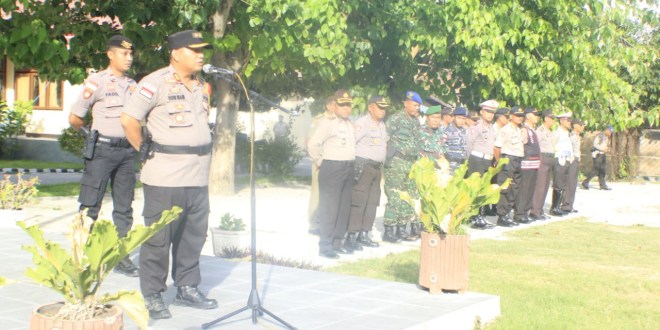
432	142
455	139
403	131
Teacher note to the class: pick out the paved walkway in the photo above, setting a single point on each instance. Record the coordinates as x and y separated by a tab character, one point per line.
306	299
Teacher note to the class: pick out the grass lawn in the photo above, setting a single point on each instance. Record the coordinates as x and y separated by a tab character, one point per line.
566	275
38	164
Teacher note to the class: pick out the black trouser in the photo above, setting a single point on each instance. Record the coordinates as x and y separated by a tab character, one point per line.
335	190
560	175
571	186
508	196
523	202
599	170
114	164
185	236
478	165
542	183
366	195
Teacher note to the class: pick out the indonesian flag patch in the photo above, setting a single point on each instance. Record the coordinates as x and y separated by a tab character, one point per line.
90	88
147	91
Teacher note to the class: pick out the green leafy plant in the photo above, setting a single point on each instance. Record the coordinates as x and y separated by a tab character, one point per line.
12	123
446	203
71	140
77	274
229	222
15	195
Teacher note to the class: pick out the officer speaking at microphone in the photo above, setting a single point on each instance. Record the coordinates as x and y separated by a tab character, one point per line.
108	155
174	102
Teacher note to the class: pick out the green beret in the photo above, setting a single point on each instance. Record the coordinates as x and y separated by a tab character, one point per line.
433	110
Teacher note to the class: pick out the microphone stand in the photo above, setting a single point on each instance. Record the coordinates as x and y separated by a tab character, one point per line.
253	303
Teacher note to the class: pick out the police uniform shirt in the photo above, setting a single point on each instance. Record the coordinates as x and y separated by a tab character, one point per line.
106	95
175	116
511	140
575	142
333	139
544	135
480	138
600	142
315	122
370	139
563	146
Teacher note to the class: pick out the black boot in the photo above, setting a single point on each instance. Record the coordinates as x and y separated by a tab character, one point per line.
401	232
503	221
556	202
126	267
364	240
390	236
156	306
351	242
189	295
414	232
489	210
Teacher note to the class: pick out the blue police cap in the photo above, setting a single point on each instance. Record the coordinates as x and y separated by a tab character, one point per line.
410	95
460	111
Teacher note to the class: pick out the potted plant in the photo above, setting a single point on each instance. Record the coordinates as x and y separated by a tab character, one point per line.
229	235
77	274
444	207
14	196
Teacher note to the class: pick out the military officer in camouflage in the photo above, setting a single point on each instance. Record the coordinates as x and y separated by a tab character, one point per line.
174	102
431	134
402	151
113	158
455	139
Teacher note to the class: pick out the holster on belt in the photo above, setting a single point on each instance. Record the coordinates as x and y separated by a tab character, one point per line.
145	146
90	142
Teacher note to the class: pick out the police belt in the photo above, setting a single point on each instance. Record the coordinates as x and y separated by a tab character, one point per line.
113	141
370	162
481	155
182	150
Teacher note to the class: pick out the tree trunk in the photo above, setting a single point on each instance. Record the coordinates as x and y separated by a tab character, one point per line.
622	163
227	100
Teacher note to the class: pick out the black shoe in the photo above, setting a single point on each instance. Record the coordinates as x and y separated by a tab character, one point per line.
364	240
504	222
573	211
519	220
544	216
156	307
536	217
390	236
342	250
329	254
605	188
557	213
350	244
189	295
479	223
585	186
126	267
414	232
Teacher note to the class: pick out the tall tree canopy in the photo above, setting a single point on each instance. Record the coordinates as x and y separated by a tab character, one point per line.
593	57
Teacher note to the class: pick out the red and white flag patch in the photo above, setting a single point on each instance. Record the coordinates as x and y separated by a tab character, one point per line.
147	91
90	88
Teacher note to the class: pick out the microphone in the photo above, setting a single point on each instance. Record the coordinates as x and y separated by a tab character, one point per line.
208	68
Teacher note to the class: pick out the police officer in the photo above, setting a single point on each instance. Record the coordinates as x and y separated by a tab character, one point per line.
528	167
455	138
574	168
600	161
312	213
402	151
332	149
370	152
509	144
544	134
563	159
501	118
174	102
113	158
480	144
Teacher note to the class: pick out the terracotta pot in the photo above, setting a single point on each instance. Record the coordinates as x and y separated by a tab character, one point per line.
42	319
443	262
229	239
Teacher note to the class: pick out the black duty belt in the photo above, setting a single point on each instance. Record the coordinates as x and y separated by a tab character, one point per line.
370	162
182	150
114	141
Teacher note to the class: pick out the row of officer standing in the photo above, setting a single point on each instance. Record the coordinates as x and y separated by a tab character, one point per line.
172	103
